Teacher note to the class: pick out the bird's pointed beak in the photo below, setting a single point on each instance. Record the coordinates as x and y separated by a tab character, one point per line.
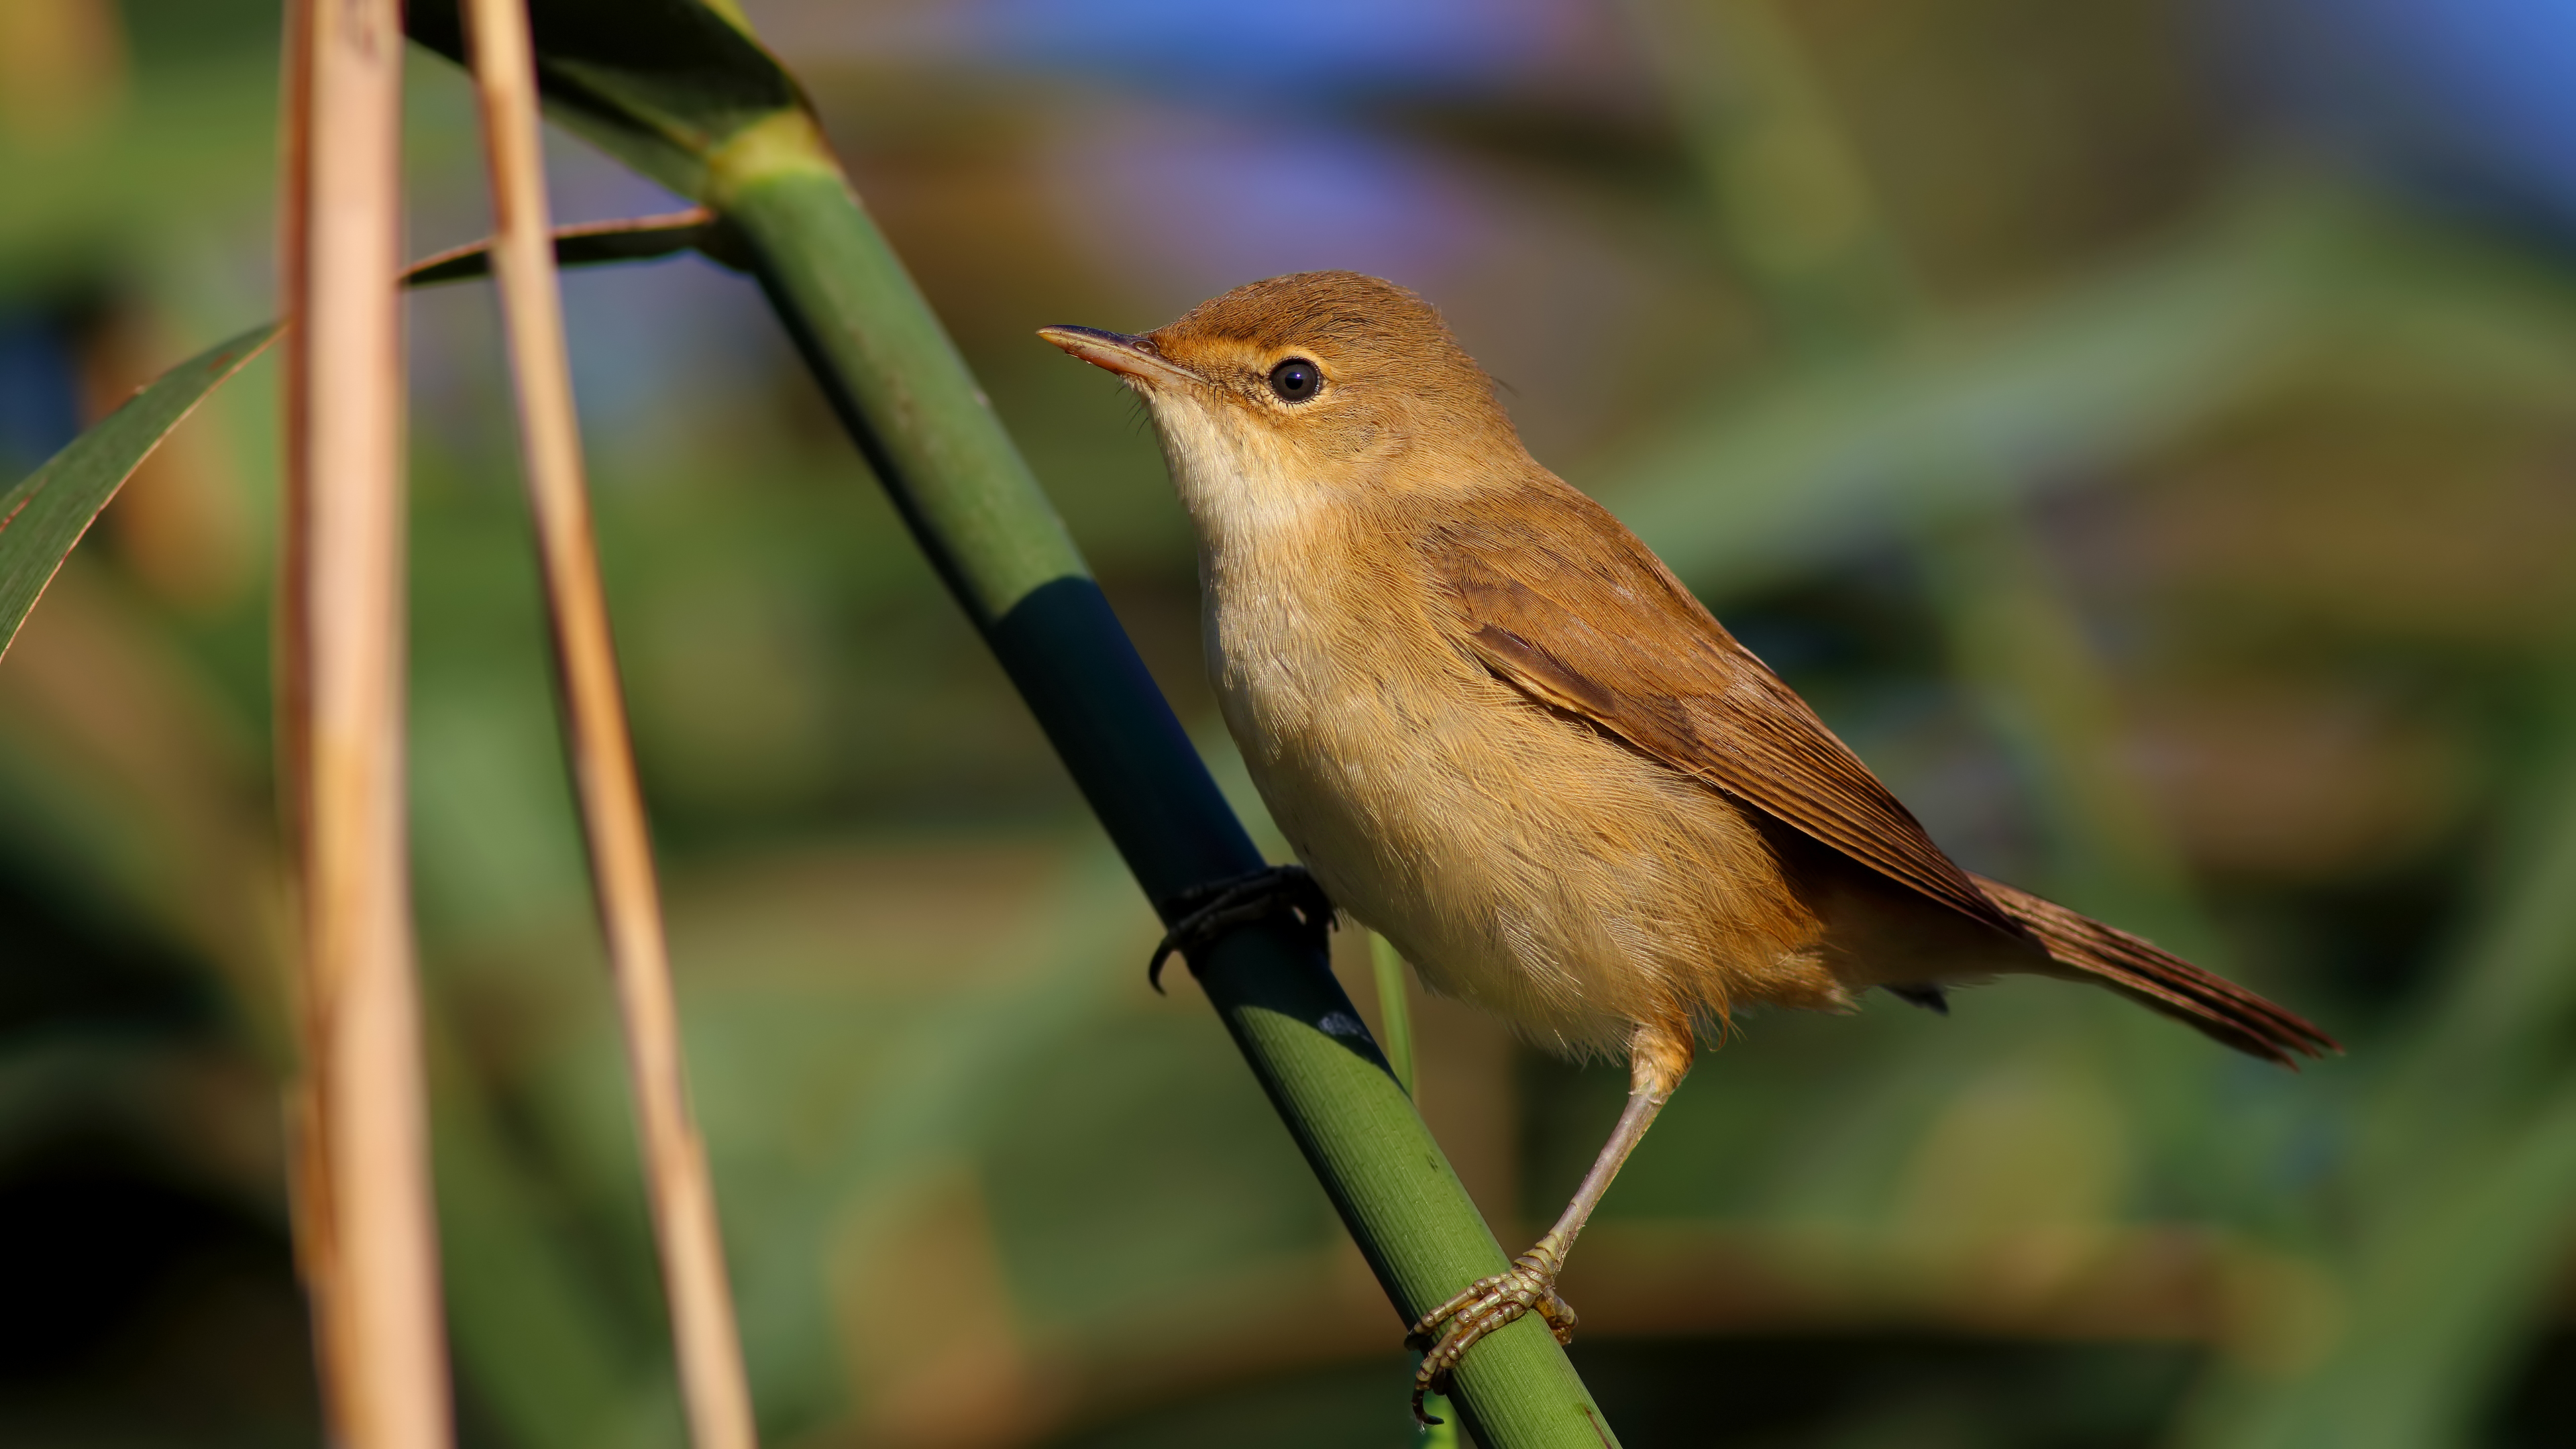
1133	358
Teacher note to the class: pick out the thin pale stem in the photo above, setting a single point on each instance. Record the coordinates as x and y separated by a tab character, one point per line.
1438	1426
1394	1013
366	1229
612	803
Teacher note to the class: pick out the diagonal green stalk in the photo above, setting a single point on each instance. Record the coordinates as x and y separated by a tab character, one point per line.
906	397
1392	1009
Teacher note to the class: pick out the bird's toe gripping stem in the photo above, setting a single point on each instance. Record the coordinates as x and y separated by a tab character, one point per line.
1528	1286
1202	913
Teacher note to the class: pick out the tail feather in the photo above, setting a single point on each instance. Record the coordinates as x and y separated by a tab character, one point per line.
2157	978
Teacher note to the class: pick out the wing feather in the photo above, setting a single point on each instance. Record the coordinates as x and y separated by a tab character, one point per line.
1557	598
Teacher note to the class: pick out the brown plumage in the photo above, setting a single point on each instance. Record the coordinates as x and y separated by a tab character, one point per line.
1501	733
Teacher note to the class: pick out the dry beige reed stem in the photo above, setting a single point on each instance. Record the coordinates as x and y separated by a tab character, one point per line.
612	804
366	1230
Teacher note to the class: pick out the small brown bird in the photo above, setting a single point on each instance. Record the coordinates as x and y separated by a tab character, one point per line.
1499	732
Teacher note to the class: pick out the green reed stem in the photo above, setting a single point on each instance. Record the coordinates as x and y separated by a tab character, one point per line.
1395	1014
1395	1017
906	397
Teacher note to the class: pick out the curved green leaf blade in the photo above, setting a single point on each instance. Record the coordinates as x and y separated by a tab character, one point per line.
43	518
46	514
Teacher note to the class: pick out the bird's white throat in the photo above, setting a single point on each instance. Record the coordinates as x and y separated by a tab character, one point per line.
1242	484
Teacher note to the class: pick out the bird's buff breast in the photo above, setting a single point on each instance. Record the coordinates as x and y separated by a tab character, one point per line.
1518	859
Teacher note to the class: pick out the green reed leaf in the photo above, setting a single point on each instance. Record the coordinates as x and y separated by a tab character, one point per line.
46	514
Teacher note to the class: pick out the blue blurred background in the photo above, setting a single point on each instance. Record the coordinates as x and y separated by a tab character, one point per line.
2147	432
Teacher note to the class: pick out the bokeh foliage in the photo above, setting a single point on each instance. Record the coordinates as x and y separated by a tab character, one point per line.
2180	522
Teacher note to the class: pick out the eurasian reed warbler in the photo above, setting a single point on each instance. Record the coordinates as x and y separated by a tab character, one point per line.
1498	731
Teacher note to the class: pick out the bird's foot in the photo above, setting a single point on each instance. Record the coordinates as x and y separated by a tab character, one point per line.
1488	1304
1208	911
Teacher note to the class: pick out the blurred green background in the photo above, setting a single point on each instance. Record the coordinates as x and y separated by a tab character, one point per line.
2147	432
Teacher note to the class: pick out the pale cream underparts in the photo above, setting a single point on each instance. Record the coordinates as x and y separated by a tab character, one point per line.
1518	858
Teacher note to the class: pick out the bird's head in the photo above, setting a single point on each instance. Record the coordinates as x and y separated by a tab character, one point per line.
1305	391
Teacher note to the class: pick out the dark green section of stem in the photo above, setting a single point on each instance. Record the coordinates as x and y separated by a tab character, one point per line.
908	400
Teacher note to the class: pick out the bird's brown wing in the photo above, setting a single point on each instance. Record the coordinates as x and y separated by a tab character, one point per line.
1560	600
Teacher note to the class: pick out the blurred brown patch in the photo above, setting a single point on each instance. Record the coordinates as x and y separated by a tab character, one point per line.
2288	780
2356	512
62	69
934	1343
929	915
182	522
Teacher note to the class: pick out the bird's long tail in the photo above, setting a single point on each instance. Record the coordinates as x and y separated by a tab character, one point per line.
2161	980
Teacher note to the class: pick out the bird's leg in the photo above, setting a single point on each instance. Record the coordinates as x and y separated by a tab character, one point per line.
1204	912
1657	1061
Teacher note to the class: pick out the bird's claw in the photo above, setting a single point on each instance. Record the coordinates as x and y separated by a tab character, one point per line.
1486	1305
1205	912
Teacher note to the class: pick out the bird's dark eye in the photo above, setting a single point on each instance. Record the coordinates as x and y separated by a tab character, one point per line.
1295	380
